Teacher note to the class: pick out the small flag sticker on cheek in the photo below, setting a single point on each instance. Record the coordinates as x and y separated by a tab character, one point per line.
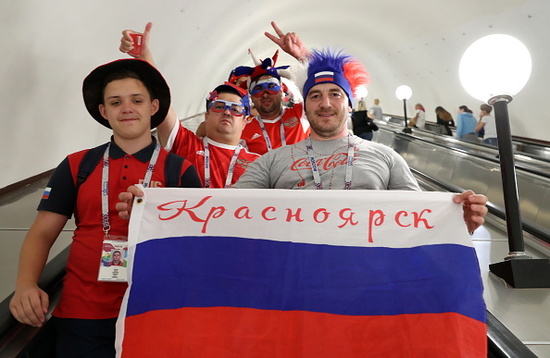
46	194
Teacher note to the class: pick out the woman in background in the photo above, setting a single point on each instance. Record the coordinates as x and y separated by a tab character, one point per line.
466	125
362	123
419	119
444	119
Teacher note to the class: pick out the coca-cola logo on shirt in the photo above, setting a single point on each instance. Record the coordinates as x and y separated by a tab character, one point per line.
327	163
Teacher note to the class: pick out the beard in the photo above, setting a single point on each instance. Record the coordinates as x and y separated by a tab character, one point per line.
272	108
265	110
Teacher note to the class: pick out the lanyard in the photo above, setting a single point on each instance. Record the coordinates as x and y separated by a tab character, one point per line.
315	169
266	137
230	171
105	183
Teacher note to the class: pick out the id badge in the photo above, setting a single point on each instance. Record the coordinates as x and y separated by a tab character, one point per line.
113	265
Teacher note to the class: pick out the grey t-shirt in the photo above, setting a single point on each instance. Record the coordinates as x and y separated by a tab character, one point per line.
375	167
377	112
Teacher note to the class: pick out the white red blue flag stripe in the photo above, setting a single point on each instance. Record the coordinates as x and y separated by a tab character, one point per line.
324	76
46	193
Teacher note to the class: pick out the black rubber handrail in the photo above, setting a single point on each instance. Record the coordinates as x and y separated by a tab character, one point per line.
498	211
494	158
16	337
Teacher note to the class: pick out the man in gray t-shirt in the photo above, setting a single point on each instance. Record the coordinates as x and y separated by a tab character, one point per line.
375	167
331	158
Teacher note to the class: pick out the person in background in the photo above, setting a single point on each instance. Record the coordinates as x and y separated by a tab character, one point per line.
219	157
466	125
130	97
481	132
376	110
362	123
419	118
487	122
445	120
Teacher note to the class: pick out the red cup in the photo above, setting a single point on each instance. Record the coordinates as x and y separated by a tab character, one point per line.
138	42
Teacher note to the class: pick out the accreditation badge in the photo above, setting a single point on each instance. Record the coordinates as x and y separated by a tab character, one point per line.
113	265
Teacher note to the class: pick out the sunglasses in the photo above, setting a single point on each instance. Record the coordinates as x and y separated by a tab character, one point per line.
269	87
236	109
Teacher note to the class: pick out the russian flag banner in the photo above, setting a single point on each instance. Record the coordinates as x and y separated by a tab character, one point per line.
300	273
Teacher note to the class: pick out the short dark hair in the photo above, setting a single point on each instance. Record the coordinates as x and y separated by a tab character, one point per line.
220	90
121	75
486	108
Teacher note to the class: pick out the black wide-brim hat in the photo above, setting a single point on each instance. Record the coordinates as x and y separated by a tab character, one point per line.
93	85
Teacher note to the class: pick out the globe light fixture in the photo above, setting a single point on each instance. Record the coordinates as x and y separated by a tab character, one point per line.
361	92
495	65
403	93
494	69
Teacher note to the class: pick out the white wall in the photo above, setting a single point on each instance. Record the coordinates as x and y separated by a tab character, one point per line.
49	46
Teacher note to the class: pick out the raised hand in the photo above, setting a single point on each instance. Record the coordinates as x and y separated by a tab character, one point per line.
289	42
127	42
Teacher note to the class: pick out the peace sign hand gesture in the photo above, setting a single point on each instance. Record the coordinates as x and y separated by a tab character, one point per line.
289	43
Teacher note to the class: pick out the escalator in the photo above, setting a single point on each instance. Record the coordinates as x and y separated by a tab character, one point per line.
455	166
534	149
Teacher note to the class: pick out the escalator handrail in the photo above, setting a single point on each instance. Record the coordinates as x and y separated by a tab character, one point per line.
519	166
502	343
50	281
527	225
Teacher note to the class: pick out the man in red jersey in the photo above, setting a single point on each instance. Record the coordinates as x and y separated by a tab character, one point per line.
275	125
219	157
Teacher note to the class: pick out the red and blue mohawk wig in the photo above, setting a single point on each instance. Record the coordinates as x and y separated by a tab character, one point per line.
329	66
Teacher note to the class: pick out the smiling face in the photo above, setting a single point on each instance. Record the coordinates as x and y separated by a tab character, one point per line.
128	107
225	127
327	108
